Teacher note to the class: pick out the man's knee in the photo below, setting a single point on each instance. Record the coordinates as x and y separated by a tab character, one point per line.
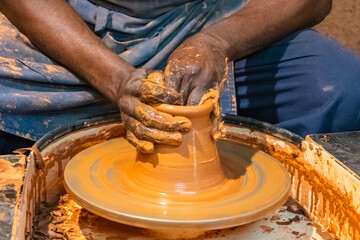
325	80
331	89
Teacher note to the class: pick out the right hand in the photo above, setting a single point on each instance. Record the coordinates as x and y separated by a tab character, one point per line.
145	125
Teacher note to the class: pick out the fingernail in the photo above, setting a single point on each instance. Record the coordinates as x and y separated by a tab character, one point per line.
185	126
183	123
147	148
176	139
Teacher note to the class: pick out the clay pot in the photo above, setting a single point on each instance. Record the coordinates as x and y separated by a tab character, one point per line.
192	167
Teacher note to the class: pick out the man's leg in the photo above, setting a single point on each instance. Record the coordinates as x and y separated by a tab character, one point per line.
305	83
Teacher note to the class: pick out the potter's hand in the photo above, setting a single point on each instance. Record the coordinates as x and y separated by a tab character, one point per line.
145	125
196	66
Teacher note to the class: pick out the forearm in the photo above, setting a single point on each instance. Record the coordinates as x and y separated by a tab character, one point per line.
263	22
58	31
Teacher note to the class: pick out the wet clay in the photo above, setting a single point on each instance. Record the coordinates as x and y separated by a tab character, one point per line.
189	168
178	188
68	220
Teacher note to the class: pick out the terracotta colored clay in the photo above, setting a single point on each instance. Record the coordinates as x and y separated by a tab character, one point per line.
191	167
184	187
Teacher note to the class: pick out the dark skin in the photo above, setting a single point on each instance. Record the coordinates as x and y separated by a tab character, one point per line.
195	66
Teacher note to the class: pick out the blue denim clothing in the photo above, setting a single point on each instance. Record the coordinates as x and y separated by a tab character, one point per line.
147	42
37	95
305	83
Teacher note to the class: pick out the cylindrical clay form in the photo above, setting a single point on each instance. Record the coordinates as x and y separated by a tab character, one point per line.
189	168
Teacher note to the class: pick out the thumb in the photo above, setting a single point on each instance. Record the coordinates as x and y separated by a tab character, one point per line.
173	77
196	95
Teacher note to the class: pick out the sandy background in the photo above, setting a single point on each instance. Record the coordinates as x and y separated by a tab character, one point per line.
343	23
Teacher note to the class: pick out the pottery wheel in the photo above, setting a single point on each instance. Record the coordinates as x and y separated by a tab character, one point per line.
100	179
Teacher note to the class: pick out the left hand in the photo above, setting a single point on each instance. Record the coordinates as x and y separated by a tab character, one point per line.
195	66
145	125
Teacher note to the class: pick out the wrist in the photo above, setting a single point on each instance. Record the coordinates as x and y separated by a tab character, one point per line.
108	75
119	75
217	43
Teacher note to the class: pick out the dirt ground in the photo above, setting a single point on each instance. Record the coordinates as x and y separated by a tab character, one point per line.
343	23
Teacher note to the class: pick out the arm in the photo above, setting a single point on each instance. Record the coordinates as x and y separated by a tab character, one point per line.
263	22
259	24
58	31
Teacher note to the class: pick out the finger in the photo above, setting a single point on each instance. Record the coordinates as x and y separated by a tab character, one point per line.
158	93
173	75
150	134
153	118
137	78
177	79
156	77
185	90
215	96
195	95
142	146
199	84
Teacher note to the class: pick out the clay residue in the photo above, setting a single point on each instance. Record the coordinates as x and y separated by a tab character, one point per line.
11	173
10	66
222	82
267	228
12	170
153	90
69	221
56	160
325	201
217	125
54	69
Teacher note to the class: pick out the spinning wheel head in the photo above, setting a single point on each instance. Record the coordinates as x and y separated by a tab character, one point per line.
101	179
197	185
